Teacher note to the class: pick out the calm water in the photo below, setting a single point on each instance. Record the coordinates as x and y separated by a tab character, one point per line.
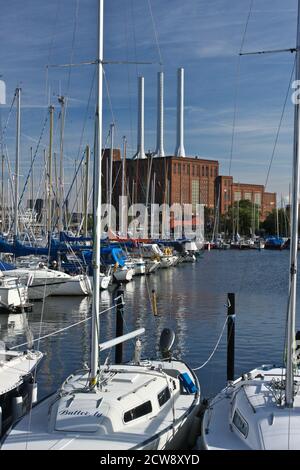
191	300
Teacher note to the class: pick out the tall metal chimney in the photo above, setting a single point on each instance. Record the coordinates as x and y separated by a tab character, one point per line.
140	136
179	151
159	152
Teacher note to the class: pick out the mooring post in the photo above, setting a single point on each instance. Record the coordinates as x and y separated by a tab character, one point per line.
119	325
230	336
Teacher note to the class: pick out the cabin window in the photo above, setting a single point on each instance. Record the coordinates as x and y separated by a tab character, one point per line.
164	396
240	423
138	412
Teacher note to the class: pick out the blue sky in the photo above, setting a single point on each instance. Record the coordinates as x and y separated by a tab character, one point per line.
203	36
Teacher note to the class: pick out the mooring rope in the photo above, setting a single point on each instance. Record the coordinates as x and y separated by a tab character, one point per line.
214	350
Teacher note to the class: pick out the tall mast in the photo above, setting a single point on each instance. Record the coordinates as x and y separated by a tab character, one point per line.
123	228
289	387
111	160
86	189
124	166
18	95
97	204
61	100
49	218
2	193
31	185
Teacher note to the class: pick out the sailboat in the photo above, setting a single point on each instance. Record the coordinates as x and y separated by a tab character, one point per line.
139	405
261	409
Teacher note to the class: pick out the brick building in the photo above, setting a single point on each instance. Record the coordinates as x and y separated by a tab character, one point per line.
169	180
188	180
228	192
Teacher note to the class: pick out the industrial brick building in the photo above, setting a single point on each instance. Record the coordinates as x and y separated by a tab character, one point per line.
228	192
169	180
157	178
183	180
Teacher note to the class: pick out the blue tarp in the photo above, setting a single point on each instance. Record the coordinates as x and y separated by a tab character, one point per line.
6	266
275	241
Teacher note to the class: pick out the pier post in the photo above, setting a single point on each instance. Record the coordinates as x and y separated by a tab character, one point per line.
119	325
230	336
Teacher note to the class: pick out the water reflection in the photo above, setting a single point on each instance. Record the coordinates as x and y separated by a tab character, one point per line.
190	299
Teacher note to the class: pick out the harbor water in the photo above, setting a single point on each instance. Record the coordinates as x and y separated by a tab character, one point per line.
191	299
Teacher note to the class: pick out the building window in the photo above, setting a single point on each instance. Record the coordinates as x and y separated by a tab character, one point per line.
203	171
195	194
193	170
188	168
174	169
248	196
206	171
211	172
198	170
257	199
179	168
237	196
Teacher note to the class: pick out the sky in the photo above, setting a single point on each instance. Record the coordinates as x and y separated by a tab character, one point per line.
203	36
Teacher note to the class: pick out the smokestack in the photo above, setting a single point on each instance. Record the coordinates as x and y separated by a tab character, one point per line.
160	116
180	152
140	137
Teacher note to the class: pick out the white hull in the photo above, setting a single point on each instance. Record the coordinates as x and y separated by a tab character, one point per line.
13	295
16	389
62	421
123	274
76	285
139	268
152	266
104	281
245	416
166	262
39	292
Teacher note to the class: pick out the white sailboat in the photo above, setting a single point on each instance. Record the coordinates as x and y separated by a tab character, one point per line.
140	405
13	294
261	409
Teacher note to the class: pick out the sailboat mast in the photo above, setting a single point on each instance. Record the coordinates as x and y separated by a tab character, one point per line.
289	387
49	215
86	189
18	95
111	161
97	204
61	163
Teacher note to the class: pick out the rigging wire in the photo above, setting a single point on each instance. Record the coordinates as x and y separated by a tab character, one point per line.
33	159
280	123
50	51
155	34
237	85
128	78
61	330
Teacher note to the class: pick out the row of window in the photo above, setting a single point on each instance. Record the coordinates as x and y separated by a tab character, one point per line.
196	170
248	197
146	408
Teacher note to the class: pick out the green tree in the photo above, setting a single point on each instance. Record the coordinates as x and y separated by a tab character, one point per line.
243	216
270	223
